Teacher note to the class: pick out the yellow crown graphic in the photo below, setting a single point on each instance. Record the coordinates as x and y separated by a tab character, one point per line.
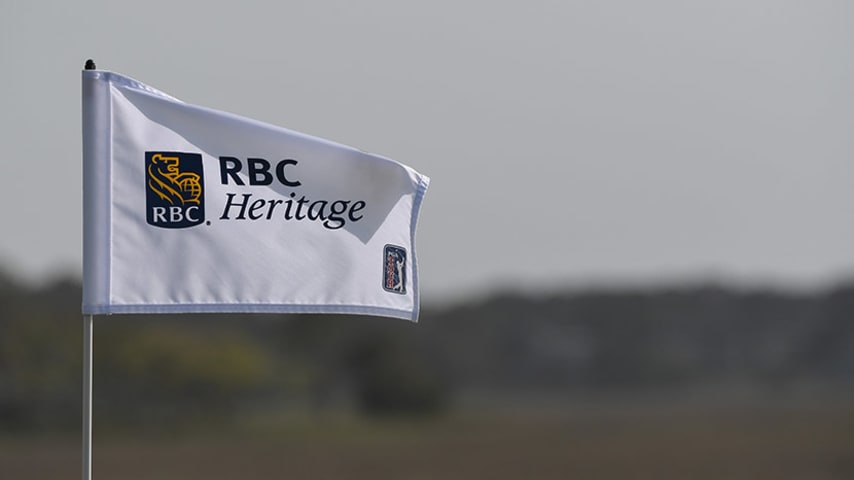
167	180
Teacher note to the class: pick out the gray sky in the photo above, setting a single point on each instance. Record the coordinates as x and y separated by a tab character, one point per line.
568	142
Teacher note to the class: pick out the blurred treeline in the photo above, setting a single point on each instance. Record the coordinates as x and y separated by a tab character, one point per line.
177	370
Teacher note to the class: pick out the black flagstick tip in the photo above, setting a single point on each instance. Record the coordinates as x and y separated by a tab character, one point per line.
90	64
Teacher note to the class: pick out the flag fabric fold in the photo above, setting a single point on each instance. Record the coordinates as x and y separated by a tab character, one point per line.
189	209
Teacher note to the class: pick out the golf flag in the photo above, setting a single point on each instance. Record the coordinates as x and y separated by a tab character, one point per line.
189	209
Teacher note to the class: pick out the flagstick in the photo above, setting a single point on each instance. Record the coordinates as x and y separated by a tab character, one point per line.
87	341
87	397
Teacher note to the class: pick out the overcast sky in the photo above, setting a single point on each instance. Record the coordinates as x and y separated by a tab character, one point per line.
568	142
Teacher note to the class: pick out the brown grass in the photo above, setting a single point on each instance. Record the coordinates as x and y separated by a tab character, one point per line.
644	443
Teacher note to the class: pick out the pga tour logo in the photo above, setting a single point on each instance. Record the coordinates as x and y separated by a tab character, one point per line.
174	192
394	269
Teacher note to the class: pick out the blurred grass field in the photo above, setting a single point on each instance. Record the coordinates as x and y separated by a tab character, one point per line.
688	384
586	442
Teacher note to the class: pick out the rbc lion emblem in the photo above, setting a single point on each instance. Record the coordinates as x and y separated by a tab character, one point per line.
174	189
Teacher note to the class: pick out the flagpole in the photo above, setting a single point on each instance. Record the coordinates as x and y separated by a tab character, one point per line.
87	397
88	323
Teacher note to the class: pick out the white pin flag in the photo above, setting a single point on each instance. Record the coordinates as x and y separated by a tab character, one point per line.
189	209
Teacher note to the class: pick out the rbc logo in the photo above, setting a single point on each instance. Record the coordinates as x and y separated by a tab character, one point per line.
174	195
394	269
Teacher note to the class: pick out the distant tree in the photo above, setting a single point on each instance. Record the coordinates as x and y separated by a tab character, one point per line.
392	379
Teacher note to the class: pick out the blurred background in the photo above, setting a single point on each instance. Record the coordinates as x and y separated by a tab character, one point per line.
635	252
697	382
